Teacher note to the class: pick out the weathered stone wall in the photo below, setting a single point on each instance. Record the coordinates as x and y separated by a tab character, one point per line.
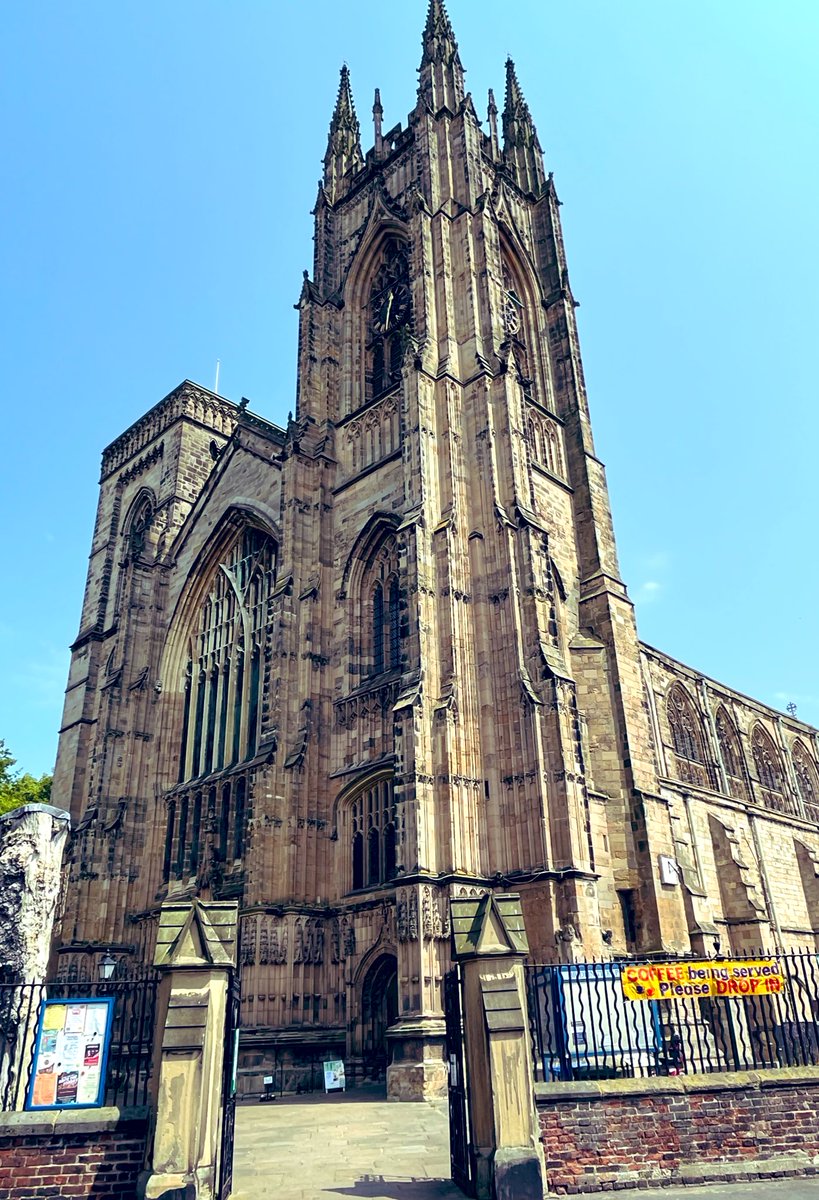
31	847
749	850
689	1129
97	1154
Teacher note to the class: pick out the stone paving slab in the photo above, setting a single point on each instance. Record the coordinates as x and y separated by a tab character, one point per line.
357	1144
349	1144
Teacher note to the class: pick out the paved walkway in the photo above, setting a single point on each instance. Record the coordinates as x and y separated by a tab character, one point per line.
806	1188
354	1144
319	1148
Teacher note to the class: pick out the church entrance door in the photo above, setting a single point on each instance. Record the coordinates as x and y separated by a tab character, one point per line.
379	1010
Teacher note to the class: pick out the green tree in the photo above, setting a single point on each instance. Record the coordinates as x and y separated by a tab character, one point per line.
17	789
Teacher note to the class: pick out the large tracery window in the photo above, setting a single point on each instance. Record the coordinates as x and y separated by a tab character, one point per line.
769	772
222	706
221	713
372	824
806	779
389	316
731	753
687	740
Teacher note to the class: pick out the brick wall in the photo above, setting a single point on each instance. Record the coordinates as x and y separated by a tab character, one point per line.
70	1155
690	1129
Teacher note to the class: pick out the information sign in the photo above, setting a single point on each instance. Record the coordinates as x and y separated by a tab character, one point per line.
71	1053
681	980
334	1080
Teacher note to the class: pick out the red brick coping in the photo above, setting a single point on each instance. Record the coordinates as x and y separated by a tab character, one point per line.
71	1155
618	1133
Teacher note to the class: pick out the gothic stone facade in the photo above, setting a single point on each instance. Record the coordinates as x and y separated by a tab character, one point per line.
347	669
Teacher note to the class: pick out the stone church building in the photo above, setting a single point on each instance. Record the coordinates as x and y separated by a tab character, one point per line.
347	669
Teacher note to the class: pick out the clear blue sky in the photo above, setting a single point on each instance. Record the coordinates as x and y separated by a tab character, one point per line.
160	163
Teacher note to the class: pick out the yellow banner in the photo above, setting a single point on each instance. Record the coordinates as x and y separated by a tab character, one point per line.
679	980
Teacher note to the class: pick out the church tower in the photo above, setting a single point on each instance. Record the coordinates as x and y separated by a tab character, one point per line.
391	658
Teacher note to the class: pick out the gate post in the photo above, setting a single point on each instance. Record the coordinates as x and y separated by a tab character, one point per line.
489	942
196	951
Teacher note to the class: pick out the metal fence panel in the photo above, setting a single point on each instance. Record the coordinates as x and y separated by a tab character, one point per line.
131	1048
583	1027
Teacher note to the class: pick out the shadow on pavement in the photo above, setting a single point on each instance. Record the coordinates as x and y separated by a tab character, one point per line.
393	1189
368	1093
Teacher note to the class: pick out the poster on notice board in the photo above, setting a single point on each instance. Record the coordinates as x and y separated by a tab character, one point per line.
71	1053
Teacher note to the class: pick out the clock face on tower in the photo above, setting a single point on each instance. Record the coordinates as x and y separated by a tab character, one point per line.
393	308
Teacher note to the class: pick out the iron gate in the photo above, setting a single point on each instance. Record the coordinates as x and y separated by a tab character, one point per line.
234	997
461	1155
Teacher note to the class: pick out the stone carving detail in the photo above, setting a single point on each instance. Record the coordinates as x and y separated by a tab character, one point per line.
567	933
406	916
248	950
278	943
314	941
544	441
309	943
376	701
342	940
435	913
373	436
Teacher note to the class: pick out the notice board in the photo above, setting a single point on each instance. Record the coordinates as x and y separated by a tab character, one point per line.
71	1053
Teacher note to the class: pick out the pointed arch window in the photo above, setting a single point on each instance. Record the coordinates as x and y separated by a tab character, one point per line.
221	706
140	524
806	779
223	673
389	315
684	724
732	759
373	835
381	647
516	319
769	772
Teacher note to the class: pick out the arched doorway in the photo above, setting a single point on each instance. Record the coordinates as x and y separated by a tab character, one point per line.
379	1010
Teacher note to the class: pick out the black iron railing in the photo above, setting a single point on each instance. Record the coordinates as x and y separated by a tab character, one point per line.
755	1012
130	1054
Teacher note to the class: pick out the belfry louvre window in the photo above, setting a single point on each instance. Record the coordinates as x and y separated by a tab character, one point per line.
223	683
372	821
381	596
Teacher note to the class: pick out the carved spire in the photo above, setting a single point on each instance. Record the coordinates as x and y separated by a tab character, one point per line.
492	114
378	114
441	82
521	147
344	143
